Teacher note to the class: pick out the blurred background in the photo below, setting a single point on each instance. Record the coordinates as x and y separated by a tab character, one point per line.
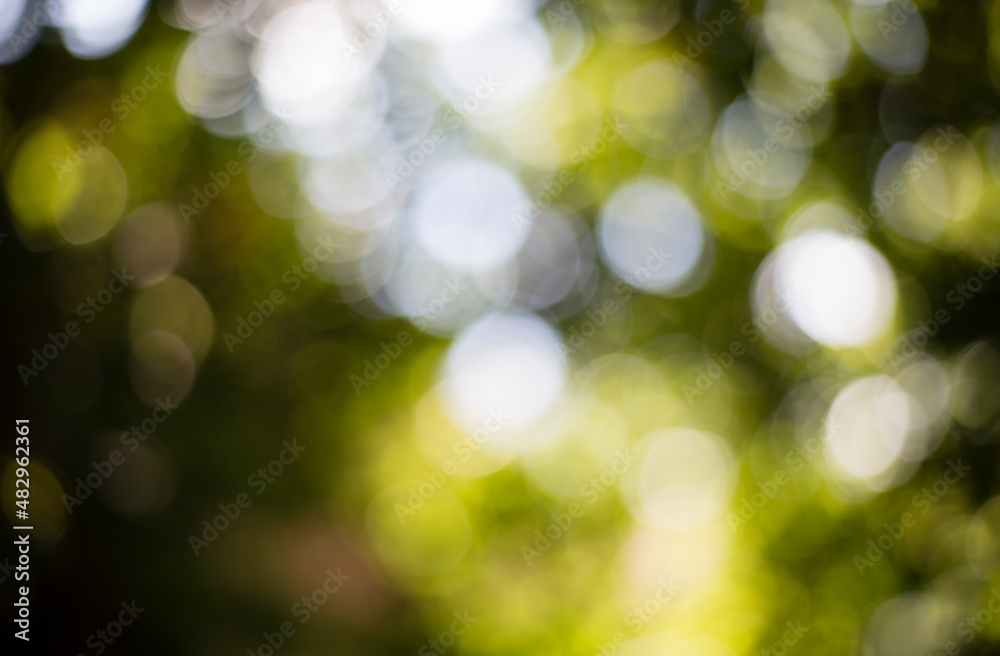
504	327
